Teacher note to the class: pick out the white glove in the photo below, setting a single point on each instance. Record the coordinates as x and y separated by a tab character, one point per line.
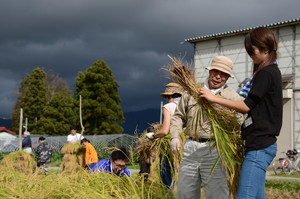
150	136
175	145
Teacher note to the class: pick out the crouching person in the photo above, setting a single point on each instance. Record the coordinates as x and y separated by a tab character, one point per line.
116	164
44	153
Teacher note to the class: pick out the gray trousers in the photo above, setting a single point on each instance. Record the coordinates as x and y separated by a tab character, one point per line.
195	167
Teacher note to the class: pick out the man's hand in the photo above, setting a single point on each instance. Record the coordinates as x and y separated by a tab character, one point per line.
150	135
205	93
175	145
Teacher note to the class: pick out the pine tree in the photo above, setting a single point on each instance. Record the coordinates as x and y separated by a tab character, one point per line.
47	103
101	109
32	98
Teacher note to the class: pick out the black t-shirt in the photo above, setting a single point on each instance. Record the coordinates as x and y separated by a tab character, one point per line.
265	103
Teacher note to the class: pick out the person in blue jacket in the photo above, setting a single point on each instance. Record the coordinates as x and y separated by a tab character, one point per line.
116	164
26	143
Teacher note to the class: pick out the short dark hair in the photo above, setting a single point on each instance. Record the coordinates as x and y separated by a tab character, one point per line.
176	95
84	140
42	138
120	154
73	128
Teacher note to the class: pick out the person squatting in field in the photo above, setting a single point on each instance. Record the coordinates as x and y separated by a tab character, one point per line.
116	164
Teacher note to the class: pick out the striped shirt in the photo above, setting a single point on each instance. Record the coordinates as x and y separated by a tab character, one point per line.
246	88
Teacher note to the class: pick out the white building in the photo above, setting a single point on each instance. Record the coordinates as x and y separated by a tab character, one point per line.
231	44
6	136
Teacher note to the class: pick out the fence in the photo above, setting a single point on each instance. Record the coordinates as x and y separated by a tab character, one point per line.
57	142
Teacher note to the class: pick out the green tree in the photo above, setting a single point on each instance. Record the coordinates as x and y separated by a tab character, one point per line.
58	112
101	109
47	103
32	98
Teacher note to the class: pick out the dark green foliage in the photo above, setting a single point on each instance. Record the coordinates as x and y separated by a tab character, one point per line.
58	113
32	98
103	155
56	158
101	110
47	103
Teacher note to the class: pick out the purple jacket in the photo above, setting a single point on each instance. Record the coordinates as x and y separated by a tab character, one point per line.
105	165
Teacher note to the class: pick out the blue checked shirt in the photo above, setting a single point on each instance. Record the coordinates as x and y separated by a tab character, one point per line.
105	166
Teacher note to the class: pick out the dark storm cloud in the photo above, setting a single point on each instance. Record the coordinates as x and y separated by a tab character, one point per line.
133	37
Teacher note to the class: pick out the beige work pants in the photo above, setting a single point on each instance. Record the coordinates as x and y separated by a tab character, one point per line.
195	167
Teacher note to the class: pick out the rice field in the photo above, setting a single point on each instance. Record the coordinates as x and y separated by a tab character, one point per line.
19	179
15	182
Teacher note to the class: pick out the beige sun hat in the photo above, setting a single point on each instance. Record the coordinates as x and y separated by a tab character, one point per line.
172	88
223	64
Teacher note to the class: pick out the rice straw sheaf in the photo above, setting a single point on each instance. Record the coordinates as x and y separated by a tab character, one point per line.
81	184
73	159
225	127
19	161
158	150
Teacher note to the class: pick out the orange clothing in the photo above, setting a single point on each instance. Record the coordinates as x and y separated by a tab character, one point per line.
90	154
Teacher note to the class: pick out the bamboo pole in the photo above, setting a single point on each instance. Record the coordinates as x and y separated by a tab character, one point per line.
80	117
20	129
26	123
160	118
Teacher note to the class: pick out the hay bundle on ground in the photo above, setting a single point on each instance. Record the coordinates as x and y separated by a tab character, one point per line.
99	185
160	149
224	123
20	161
73	159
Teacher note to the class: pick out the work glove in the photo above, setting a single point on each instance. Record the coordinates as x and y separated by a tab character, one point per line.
175	145
150	135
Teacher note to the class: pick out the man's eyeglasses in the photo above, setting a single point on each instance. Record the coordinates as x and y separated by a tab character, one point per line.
119	166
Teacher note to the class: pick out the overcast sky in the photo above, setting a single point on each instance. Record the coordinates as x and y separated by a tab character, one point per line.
133	37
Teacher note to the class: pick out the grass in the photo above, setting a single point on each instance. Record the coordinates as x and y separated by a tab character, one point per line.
282	189
293	175
133	166
283	185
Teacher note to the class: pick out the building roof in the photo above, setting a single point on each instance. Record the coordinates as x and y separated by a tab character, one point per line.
3	129
241	31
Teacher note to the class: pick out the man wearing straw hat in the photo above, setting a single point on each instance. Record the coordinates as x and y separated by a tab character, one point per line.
198	155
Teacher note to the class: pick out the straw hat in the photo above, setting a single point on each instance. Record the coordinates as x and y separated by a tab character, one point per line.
223	64
172	88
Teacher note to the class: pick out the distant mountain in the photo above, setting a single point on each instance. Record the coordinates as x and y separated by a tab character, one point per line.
5	122
138	121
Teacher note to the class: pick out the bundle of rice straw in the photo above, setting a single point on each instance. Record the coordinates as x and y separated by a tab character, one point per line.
80	185
159	150
225	127
73	159
19	161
